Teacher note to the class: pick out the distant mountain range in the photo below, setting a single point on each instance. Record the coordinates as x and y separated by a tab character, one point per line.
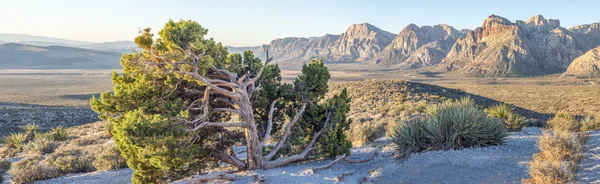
20	56
501	48
117	46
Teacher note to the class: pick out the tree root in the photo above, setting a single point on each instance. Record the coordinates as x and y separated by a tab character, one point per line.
343	157
341	177
210	177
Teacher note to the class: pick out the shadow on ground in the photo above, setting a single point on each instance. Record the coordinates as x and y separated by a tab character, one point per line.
80	96
479	100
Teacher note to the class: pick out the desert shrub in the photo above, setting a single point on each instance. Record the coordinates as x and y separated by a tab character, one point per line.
86	140
59	133
70	161
590	124
564	122
504	112
32	169
40	146
560	146
110	158
6	152
449	125
15	140
361	133
558	159
548	171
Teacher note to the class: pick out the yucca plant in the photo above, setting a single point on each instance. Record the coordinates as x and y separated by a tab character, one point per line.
59	133
449	125
31	127
504	112
15	140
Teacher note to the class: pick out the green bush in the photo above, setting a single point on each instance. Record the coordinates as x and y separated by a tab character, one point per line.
31	169
450	125
504	112
15	140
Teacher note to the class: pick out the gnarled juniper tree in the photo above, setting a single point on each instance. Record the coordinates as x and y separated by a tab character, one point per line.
183	102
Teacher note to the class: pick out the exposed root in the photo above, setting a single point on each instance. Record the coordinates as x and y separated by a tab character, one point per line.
364	160
341	177
210	177
343	157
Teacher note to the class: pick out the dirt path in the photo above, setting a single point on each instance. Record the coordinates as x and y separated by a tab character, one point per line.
589	171
506	163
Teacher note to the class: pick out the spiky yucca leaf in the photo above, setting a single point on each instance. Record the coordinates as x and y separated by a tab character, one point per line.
15	140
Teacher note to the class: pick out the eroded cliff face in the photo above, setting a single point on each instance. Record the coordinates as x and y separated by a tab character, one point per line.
359	43
410	41
587	65
499	47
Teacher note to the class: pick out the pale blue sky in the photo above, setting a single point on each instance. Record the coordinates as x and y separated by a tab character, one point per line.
245	23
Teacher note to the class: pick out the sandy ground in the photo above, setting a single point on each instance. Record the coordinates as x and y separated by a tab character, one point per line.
589	171
506	163
122	176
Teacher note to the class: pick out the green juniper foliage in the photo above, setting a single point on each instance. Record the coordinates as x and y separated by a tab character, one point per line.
153	96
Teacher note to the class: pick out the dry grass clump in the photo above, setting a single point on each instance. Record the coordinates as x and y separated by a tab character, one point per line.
70	161
31	169
560	152
109	159
361	133
449	125
590	123
40	145
564	122
63	151
504	112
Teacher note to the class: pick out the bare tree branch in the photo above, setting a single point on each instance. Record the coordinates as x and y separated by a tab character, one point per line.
269	123
223	156
216	124
297	157
287	132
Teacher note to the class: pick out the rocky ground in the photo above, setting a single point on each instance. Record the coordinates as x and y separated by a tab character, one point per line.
590	166
13	116
497	164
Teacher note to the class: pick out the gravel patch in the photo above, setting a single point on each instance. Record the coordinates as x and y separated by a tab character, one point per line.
589	171
122	176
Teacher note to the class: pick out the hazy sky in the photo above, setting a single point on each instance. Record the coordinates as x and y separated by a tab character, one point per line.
245	23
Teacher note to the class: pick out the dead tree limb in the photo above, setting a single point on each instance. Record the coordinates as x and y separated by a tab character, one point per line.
210	177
